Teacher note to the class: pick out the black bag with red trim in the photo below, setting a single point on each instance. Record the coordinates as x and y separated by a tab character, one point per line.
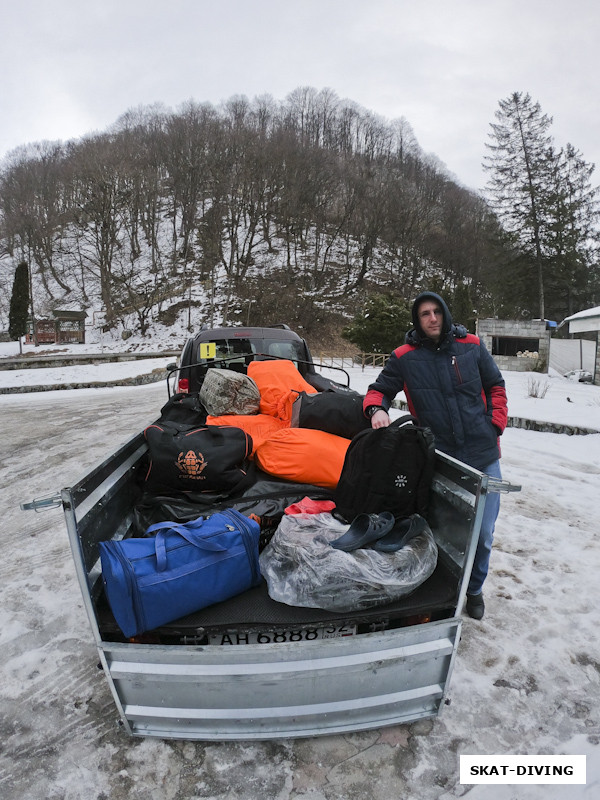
213	458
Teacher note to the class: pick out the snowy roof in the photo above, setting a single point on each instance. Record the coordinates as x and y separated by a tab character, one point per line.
589	312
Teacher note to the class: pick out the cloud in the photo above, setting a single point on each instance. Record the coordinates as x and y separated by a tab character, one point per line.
71	68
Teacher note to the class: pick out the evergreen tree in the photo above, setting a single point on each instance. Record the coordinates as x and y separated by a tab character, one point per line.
523	163
461	307
381	326
19	303
573	236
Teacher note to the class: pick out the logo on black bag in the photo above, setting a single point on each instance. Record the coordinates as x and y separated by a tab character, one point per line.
191	464
400	481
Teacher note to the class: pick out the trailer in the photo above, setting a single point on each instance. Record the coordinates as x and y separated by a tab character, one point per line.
252	668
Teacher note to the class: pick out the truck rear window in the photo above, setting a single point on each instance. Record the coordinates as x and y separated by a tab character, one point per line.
236	350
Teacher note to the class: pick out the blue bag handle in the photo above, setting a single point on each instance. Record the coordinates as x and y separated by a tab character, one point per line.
187	531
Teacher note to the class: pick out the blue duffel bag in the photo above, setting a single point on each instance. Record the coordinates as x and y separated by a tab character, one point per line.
181	569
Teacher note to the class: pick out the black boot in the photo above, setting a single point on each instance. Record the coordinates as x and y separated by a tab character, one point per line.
475	605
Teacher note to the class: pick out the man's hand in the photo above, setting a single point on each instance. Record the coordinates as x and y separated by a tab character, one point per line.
380	419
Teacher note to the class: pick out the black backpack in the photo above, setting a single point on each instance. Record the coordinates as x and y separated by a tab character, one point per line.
387	469
183	408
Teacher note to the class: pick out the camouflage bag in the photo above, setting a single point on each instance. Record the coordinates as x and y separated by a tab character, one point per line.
224	391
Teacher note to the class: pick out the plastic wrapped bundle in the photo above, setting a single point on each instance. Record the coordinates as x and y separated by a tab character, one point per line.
303	569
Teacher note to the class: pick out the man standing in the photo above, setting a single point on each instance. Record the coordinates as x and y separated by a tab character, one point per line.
453	387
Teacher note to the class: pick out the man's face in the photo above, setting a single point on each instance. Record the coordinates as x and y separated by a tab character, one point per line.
431	318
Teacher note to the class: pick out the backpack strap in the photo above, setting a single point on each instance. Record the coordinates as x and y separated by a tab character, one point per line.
405	419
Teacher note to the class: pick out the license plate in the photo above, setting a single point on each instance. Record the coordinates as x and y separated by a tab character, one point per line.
283	636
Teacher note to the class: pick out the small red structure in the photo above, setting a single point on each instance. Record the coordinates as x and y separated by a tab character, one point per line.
67	327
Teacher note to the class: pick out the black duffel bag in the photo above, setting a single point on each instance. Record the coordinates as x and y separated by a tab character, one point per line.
332	412
265	498
213	458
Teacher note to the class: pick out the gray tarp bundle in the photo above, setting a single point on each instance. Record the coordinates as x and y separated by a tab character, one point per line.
302	569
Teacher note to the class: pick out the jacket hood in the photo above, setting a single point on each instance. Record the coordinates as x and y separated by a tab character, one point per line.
416	336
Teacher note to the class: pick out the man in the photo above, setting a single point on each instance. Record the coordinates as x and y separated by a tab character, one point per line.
453	387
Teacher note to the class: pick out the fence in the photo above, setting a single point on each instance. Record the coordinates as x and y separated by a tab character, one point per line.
358	360
572	354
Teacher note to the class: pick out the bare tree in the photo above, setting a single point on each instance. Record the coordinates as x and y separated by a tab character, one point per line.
35	208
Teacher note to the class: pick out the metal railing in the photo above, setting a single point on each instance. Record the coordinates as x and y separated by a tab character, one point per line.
358	360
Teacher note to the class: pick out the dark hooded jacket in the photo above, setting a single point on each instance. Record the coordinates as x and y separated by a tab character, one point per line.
453	387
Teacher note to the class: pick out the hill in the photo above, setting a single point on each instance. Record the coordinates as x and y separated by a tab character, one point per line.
254	211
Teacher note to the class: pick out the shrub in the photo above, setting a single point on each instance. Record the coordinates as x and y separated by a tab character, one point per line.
536	388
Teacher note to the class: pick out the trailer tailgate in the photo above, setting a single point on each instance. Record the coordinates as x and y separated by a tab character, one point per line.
329	686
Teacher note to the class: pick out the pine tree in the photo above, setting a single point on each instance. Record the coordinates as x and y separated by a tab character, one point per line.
381	326
19	303
461	307
573	235
522	163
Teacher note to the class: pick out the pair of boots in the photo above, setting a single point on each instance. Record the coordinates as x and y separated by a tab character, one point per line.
380	532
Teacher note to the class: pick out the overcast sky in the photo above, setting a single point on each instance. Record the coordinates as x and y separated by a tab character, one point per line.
72	67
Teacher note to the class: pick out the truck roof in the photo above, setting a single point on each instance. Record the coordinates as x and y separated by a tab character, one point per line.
247	333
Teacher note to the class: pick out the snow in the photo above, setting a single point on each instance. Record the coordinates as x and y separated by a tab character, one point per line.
526	679
84	373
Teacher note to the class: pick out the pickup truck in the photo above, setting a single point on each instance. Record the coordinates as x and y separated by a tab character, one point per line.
253	668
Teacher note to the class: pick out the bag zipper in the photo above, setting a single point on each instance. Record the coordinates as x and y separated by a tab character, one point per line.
243	524
238	521
132	587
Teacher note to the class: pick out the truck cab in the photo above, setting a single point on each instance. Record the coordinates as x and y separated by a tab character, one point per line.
234	348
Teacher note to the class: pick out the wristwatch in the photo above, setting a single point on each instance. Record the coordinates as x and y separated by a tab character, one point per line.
372	410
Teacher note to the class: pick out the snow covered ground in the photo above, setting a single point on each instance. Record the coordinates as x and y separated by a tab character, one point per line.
526	680
88	373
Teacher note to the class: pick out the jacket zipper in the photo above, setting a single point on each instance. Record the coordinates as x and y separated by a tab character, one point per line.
456	369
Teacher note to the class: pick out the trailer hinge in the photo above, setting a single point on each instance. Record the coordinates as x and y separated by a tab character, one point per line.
43	503
497	485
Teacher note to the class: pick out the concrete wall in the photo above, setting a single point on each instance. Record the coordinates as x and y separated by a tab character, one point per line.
487	329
